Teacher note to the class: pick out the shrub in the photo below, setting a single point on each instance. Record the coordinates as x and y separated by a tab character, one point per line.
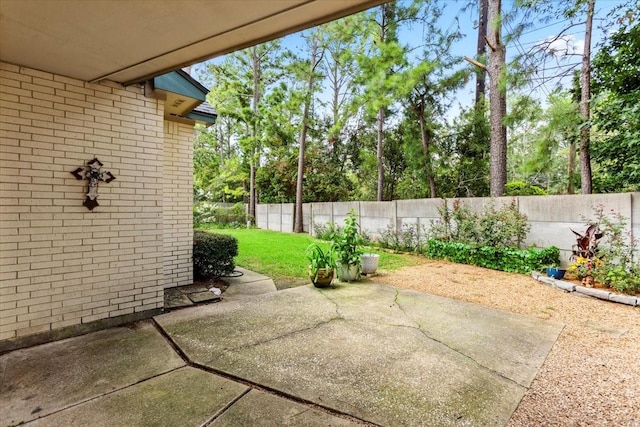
326	231
519	188
615	263
502	228
504	259
389	238
223	217
213	254
410	238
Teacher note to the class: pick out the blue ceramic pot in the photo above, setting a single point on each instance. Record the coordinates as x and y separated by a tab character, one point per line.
556	273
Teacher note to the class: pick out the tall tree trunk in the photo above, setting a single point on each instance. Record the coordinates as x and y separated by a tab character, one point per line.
298	220
379	153
497	100
585	98
481	51
571	167
257	76
385	14
426	145
252	189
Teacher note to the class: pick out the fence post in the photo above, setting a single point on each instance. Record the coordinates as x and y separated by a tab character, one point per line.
268	226
394	216
332	203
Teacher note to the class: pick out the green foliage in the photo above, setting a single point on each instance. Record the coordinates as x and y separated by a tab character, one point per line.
208	213
345	243
465	155
616	150
409	239
213	254
616	109
319	259
541	140
276	179
281	256
326	231
616	263
500	228
218	171
616	66
495	258
367	68
519	188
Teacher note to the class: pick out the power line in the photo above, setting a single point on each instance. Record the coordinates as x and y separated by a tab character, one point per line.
527	58
546	41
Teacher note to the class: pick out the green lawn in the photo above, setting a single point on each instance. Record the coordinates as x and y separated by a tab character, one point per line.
281	256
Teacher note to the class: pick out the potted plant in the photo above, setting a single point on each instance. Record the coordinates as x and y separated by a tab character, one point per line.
345	245
369	263
556	272
321	265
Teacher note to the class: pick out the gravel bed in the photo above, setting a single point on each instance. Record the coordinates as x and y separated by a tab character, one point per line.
591	376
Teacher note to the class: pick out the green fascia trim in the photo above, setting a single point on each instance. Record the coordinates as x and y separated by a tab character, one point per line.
181	83
202	117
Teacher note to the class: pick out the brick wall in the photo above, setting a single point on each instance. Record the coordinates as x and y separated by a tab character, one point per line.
177	204
61	264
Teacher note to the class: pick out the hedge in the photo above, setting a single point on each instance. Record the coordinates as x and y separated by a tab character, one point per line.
504	259
213	254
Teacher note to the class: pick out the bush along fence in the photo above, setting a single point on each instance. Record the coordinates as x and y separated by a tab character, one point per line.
550	218
491	238
223	215
494	239
504	259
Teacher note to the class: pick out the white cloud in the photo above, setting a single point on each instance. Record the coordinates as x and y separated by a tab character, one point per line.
563	45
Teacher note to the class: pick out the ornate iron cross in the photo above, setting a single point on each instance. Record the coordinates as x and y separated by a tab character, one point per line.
94	175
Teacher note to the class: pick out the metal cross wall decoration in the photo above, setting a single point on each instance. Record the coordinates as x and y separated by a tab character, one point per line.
94	175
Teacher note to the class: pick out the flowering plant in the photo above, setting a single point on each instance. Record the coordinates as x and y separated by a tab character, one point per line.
583	267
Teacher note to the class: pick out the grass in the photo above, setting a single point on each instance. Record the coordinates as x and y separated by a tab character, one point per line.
281	256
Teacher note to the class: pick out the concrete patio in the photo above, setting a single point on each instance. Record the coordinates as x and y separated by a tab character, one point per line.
347	355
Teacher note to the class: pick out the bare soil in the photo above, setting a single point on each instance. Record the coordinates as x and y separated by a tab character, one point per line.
591	376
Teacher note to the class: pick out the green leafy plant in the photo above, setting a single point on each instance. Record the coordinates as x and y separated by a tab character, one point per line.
325	231
504	259
503	228
224	217
410	238
389	238
319	259
608	254
346	242
213	254
519	188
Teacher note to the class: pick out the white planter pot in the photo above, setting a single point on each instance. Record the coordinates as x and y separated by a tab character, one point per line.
369	263
348	272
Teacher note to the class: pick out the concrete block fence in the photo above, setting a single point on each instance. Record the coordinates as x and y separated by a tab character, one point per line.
551	217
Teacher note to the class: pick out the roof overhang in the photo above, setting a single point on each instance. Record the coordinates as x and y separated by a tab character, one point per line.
135	40
184	98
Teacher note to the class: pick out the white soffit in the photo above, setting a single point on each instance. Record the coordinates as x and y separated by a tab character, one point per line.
129	41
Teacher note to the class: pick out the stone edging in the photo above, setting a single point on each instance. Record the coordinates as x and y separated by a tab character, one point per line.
592	292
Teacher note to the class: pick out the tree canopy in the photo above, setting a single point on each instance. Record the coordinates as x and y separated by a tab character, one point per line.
361	111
